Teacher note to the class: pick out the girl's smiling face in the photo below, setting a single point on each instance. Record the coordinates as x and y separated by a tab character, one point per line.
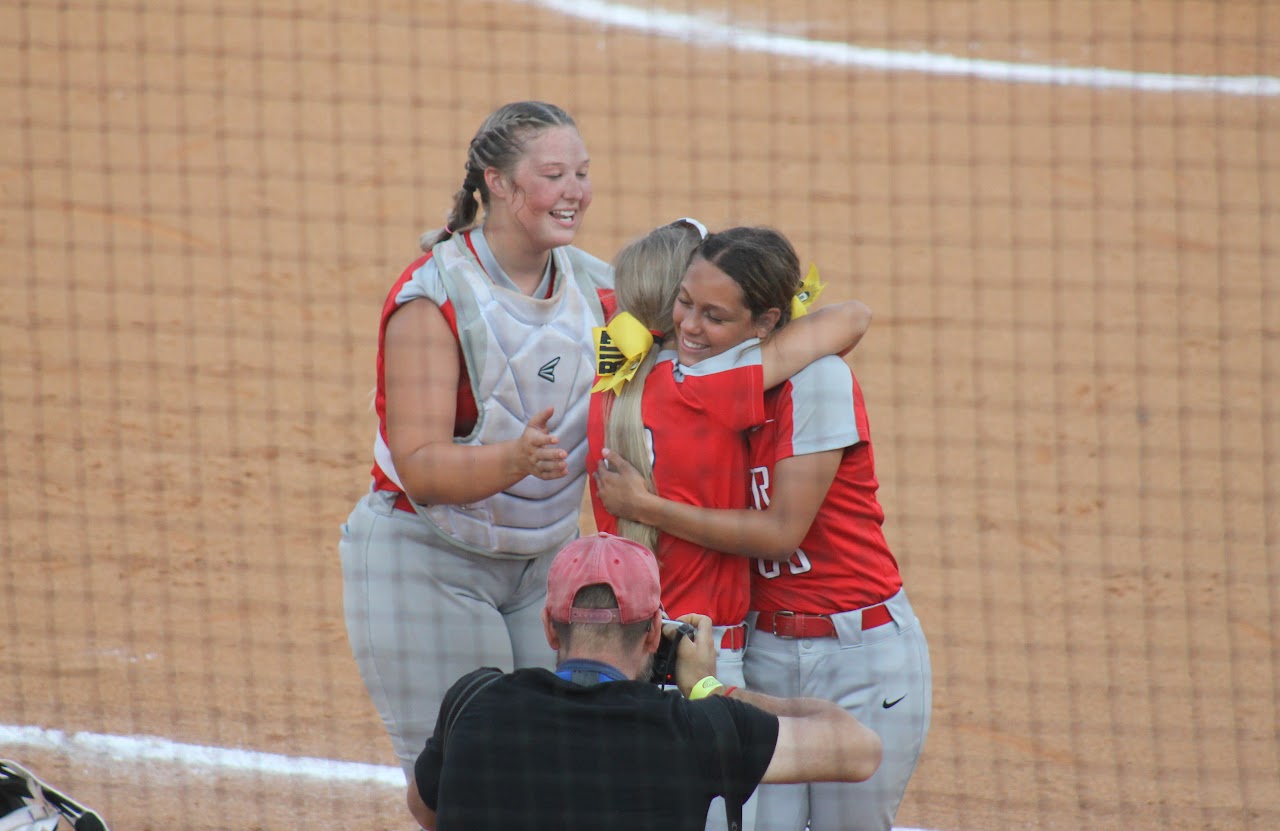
551	188
711	315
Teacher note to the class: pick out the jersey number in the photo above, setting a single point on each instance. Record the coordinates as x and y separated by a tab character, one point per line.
769	569
798	564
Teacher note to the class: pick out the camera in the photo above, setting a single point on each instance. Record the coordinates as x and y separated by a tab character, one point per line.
664	660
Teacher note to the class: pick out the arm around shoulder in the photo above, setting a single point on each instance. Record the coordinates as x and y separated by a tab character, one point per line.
831	330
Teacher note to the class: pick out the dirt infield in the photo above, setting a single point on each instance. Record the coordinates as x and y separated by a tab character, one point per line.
1072	376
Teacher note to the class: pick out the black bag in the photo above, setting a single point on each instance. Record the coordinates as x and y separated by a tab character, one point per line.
730	747
28	804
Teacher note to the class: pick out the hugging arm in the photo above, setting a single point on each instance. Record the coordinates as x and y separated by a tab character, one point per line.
799	486
800	483
831	330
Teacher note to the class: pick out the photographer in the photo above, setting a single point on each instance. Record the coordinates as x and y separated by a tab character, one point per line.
593	745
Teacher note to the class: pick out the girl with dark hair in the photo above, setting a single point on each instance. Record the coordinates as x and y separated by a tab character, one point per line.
830	618
694	388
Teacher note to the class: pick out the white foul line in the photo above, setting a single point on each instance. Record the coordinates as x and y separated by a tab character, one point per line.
705	30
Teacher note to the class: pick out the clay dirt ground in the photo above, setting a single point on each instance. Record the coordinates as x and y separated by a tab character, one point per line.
1072	376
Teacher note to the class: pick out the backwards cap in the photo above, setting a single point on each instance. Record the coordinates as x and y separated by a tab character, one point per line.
627	567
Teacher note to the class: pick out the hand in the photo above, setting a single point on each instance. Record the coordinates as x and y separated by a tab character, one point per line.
619	486
537	453
695	659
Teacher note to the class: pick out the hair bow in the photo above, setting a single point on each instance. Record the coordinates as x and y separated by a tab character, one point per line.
807	293
620	347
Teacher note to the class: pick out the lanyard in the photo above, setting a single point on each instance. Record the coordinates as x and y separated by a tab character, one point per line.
586	673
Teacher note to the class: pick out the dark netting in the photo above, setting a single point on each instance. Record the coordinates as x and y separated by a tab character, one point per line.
1065	215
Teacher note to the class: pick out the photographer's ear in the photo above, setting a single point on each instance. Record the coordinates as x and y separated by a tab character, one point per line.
654	636
553	638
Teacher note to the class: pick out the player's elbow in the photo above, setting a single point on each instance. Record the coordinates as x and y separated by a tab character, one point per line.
774	553
859	322
862	315
779	545
420	492
421	478
857	318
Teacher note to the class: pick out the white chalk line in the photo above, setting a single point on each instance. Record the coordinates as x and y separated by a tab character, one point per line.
229	760
708	31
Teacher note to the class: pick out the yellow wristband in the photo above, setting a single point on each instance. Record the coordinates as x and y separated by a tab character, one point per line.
704	688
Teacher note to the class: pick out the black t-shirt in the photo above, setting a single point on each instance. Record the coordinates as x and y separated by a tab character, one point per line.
533	751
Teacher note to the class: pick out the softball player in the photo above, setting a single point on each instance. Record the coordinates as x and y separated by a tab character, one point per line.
483	373
683	412
830	618
833	621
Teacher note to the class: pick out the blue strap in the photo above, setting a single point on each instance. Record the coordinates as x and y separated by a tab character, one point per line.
586	673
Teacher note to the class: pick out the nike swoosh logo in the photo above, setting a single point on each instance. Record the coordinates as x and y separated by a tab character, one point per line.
887	703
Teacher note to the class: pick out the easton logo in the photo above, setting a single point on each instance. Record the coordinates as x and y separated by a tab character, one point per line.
548	370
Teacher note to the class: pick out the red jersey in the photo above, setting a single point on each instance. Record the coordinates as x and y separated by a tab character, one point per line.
465	414
694	419
844	562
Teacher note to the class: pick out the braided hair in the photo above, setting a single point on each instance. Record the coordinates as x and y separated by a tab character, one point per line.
499	143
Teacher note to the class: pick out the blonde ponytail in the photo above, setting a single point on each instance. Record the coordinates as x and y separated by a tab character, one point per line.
647	275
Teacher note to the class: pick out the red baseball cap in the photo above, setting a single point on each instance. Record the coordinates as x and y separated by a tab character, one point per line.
627	567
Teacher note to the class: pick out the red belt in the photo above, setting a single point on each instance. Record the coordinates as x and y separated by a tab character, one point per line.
734	637
795	625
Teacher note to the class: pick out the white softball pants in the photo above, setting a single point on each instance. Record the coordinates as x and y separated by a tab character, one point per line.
883	677
421	613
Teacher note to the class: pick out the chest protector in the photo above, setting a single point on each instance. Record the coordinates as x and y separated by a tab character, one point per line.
523	354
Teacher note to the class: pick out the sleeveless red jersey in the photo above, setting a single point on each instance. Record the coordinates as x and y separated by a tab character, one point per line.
695	418
844	562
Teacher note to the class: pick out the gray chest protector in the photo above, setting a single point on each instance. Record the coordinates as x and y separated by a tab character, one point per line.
524	354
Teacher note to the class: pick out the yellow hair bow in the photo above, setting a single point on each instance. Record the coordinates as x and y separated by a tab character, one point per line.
807	293
620	347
